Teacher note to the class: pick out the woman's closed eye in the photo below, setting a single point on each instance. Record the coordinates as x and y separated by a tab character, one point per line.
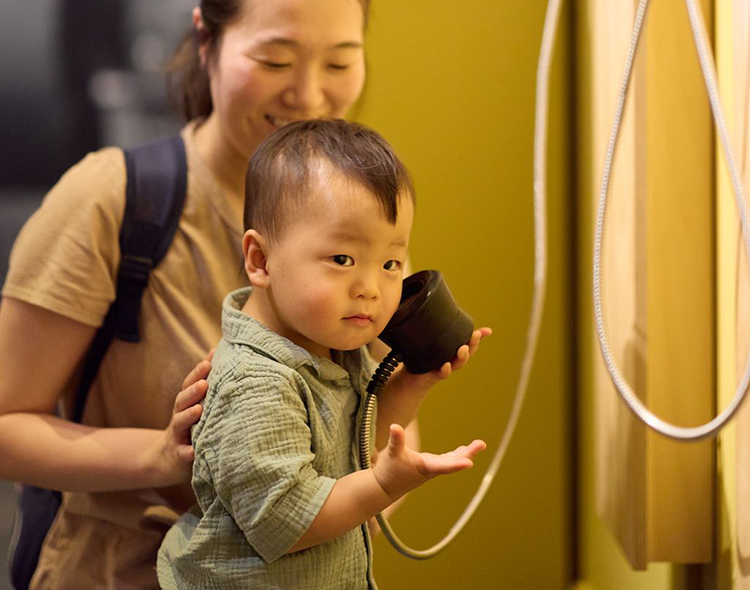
343	260
277	65
273	64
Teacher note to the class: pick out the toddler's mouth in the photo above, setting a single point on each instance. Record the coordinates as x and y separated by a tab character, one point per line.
359	319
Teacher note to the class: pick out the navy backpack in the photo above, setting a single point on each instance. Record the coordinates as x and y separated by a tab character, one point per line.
155	195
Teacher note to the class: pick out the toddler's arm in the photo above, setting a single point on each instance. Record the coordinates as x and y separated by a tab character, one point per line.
359	496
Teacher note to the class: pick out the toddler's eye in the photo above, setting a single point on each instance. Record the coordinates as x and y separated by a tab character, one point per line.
343	260
392	265
338	67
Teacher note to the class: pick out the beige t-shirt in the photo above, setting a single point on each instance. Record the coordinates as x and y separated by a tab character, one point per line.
65	260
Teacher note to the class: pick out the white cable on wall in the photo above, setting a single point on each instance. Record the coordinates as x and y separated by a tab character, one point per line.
712	427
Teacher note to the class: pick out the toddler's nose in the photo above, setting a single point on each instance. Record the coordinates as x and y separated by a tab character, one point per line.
367	288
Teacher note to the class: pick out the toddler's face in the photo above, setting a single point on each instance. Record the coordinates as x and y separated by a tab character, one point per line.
336	271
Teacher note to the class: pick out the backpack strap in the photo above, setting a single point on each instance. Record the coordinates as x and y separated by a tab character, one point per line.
155	196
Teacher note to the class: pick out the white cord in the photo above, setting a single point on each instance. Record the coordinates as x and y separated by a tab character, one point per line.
709	75
537	305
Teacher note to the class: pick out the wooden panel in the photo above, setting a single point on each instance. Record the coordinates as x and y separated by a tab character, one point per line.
620	438
739	64
656	495
679	232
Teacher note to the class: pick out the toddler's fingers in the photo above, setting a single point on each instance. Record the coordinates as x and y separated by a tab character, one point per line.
458	450
397	438
469	450
476	337
461	358
442	372
446	370
449	463
475	447
463	353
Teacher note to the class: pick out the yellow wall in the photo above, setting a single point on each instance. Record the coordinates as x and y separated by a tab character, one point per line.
451	85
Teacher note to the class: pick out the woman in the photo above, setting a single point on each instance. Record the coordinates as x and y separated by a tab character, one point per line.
253	66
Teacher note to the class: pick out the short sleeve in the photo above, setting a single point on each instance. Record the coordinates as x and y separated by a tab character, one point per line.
65	257
257	443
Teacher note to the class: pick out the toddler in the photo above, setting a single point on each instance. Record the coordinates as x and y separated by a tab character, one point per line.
281	500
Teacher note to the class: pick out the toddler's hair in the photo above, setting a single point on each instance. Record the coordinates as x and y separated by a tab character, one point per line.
289	161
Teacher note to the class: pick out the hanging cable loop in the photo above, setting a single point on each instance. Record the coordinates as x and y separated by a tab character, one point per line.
712	427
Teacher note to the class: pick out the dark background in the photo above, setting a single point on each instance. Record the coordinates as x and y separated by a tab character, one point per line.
75	75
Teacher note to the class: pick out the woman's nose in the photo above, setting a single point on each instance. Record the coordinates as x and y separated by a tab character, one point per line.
305	93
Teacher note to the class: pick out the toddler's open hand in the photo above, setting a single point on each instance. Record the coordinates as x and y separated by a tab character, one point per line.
400	469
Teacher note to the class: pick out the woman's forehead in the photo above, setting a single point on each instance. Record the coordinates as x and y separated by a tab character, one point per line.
336	22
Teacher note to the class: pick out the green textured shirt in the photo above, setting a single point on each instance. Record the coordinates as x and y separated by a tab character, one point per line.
279	427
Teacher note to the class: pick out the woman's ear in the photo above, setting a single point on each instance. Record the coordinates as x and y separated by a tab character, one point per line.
201	34
254	248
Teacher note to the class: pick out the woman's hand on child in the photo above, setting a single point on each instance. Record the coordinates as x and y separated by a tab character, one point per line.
187	409
174	454
399	469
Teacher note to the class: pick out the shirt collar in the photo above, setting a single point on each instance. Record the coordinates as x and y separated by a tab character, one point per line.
240	328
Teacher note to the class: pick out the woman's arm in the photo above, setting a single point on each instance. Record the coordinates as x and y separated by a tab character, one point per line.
41	350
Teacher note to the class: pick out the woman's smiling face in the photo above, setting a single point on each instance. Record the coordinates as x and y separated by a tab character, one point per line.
282	61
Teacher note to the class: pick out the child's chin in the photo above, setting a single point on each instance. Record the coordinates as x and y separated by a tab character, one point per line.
349	345
350	348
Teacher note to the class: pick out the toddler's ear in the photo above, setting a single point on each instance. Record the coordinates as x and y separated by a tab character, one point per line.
254	248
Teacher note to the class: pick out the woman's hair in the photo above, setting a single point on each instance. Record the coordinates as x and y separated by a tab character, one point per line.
288	164
187	78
